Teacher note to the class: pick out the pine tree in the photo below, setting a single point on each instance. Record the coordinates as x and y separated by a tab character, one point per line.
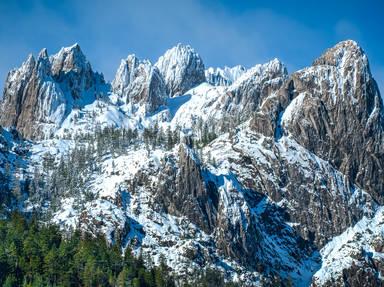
205	134
52	265
176	135
10	281
169	138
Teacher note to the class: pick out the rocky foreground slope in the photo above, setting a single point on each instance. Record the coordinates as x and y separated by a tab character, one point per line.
269	177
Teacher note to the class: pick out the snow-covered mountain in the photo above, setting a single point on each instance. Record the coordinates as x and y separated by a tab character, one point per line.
269	177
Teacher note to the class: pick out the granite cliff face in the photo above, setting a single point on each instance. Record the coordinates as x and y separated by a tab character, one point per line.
138	82
277	177
250	90
185	193
338	115
244	225
333	109
182	69
39	95
125	74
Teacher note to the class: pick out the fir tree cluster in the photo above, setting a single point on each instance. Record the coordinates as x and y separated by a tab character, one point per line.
33	255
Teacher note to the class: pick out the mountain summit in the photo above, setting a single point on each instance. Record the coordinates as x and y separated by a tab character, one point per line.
138	82
40	94
182	69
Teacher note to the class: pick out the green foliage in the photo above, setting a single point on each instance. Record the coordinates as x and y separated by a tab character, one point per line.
33	255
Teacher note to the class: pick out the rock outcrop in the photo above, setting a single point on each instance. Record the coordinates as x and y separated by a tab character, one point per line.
73	72
244	223
182	69
138	82
185	193
125	74
246	94
38	95
333	109
319	201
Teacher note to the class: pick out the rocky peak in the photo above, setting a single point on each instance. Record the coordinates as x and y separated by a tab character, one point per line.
343	54
43	54
14	86
69	59
182	69
125	74
72	70
256	84
147	87
262	72
42	92
24	71
140	83
337	113
43	64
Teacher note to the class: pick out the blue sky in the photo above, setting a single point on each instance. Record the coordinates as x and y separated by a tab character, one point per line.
224	32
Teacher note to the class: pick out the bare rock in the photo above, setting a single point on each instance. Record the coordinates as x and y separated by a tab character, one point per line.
337	113
139	83
38	95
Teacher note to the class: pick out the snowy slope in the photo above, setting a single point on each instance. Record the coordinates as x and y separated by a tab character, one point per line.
359	247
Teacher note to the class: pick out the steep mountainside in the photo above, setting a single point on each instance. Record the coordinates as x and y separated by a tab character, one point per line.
269	177
344	112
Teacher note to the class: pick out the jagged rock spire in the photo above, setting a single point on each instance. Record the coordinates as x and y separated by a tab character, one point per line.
138	82
69	59
125	74
42	92
182	69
